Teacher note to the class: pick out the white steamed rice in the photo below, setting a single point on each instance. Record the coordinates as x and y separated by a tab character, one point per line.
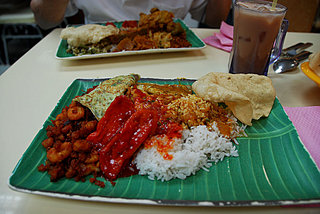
196	150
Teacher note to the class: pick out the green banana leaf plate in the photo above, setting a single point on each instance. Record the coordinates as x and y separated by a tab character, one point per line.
195	41
273	168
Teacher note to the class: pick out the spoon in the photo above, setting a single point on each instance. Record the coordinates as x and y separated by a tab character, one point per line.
289	63
295	49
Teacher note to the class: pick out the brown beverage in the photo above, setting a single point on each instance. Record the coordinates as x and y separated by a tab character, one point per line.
256	26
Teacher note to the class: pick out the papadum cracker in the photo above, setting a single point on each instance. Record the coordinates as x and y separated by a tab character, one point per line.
249	96
87	34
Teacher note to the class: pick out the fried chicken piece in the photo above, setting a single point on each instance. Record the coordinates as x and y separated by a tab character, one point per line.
139	42
156	21
159	21
143	43
155	30
125	45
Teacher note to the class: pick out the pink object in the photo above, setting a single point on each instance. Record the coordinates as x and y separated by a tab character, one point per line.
223	39
214	41
226	30
307	122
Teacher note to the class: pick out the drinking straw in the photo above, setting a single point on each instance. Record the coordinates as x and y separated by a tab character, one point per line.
274	4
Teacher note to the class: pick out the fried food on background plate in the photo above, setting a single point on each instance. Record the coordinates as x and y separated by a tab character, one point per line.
87	34
156	30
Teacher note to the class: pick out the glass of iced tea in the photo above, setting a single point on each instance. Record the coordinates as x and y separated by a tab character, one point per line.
256	30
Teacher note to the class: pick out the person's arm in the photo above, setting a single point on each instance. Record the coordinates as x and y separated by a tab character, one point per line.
48	13
217	11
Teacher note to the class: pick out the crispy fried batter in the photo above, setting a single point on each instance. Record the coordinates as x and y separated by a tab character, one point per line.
194	111
156	21
155	30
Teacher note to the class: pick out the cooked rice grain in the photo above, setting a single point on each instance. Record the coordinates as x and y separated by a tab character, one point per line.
196	150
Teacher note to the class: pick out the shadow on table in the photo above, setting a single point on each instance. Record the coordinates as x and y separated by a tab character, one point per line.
311	93
131	61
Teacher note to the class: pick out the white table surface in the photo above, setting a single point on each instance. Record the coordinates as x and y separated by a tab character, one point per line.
30	89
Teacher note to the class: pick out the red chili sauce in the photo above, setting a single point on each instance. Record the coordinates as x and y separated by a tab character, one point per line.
129	124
